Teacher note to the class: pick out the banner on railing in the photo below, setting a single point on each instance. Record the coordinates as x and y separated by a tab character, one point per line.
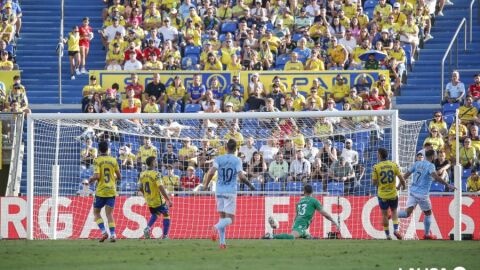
303	79
193	216
123	78
6	80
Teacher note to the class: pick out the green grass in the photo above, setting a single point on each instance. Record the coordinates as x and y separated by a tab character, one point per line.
241	254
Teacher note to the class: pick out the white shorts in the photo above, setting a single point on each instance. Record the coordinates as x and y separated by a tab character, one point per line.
422	200
226	203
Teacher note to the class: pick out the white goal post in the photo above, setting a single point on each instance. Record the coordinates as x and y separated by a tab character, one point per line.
53	140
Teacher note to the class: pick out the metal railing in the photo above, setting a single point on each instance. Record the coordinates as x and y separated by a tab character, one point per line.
12	131
463	24
471	20
60	52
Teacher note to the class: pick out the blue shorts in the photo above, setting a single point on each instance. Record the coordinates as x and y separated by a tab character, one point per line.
100	202
162	209
388	203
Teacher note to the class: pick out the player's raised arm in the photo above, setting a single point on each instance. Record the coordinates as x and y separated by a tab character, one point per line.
211	172
437	178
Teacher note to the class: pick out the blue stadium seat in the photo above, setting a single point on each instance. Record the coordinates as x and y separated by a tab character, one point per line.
370	4
193	50
189	62
335	188
358	146
294	186
273	186
249	123
449	119
282	60
307	132
339	145
408	54
247	132
297	36
199	172
369	12
222	37
229	27
339	106
128	187
318	144
465	174
437	187
317	186
264	133
193	108
450	108
269	26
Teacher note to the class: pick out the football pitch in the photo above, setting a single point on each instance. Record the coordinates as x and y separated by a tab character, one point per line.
241	254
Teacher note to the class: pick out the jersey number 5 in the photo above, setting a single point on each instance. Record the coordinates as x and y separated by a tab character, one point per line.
106	175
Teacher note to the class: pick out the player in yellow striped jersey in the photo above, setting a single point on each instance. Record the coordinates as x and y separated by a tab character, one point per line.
383	176
107	173
156	197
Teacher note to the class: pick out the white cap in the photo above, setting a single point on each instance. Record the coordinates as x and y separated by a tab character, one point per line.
396	5
348	140
229	104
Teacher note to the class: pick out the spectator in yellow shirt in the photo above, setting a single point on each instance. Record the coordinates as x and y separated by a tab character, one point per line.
340	90
73	42
314	63
298	99
293	64
383	8
175	94
337	54
212	63
187	155
5	64
473	182
92	87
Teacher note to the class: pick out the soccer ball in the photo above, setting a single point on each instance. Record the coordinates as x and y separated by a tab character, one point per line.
273	222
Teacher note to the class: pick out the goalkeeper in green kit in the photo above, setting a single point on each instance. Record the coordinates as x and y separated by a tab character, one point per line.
305	209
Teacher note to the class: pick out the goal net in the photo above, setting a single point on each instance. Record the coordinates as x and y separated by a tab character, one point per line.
332	151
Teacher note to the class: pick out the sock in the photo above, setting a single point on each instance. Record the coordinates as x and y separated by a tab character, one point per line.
152	220
223	222
426	223
111	226
222	235
387	231
395	225
284	236
402	214
166	225
101	225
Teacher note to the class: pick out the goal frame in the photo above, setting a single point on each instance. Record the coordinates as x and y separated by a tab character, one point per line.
177	116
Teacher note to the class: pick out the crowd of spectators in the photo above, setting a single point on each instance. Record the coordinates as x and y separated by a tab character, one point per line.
13	98
265	35
442	129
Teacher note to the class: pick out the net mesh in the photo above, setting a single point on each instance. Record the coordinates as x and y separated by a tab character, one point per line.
189	146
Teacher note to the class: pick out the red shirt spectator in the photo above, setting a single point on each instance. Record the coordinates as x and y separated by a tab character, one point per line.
151	49
86	33
377	102
137	88
474	89
138	52
190	181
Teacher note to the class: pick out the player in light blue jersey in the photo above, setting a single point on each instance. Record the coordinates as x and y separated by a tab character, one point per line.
229	168
424	173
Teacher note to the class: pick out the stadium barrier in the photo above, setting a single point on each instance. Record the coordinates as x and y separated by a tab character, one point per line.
303	79
193	216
